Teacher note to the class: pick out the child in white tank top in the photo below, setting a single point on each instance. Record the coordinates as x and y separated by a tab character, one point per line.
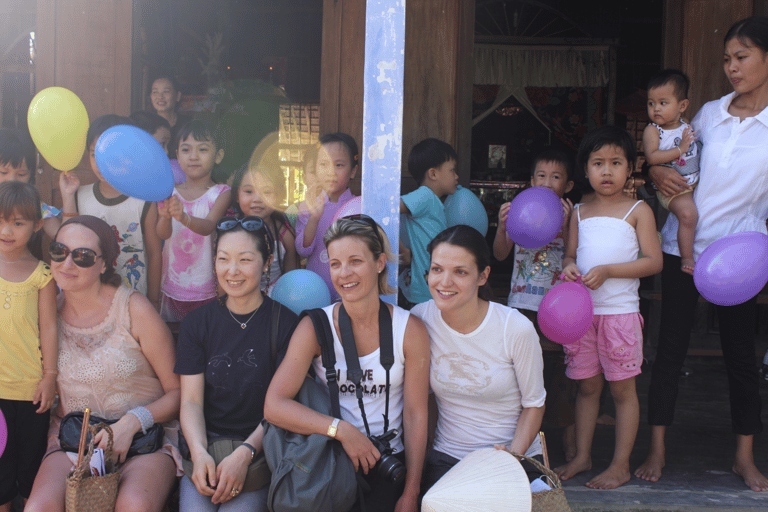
606	236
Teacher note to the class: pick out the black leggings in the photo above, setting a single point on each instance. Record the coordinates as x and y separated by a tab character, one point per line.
737	339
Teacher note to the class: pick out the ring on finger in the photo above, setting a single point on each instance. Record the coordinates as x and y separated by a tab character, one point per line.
234	492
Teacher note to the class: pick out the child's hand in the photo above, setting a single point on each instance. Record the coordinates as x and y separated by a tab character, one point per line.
596	276
45	392
688	137
503	214
567	211
68	183
570	273
315	202
162	211
174	207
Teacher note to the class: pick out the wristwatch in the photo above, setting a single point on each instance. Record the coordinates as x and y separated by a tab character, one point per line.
250	447
333	428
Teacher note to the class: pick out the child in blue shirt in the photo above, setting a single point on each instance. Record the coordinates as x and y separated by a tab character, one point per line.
432	163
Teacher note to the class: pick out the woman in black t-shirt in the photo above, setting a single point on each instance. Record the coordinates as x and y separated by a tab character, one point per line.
224	359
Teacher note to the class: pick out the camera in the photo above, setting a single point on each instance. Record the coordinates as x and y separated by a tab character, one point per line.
389	467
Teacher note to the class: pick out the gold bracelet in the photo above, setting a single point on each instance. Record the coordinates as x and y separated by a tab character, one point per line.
65	214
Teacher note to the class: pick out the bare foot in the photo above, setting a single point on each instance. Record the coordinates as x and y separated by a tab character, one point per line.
569	442
650	470
687	266
752	476
573	468
611	478
606	419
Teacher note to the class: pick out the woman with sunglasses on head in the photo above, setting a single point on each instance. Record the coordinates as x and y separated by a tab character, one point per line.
358	251
224	357
486	371
115	358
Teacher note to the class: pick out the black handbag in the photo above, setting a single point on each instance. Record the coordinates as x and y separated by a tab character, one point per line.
142	444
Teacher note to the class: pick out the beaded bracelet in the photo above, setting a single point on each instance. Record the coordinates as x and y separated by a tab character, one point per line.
144	416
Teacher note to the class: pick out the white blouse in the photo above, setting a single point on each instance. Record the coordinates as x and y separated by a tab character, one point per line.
732	195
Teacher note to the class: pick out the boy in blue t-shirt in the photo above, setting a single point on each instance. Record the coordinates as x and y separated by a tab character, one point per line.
432	163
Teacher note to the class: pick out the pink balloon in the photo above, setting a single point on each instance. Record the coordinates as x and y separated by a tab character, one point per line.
566	312
3	433
352	207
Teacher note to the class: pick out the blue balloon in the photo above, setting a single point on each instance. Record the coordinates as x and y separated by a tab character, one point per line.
301	289
133	162
463	207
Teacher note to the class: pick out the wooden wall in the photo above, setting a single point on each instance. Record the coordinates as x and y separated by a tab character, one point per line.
85	46
694	31
438	72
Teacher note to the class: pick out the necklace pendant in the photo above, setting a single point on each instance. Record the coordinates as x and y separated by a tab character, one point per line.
242	326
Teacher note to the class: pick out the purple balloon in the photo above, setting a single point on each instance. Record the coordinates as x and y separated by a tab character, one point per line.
3	433
535	217
733	269
178	173
566	312
352	207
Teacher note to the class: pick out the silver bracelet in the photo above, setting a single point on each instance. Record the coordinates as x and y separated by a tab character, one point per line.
144	416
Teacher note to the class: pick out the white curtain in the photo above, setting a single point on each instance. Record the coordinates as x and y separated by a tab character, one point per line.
513	68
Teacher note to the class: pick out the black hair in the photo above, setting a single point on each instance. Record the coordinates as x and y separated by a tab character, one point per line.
19	197
200	131
262	239
474	242
17	148
149	121
102	124
347	140
677	78
753	29
427	154
164	76
556	155
607	135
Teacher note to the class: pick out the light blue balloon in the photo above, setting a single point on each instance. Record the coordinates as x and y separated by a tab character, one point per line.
301	289
463	207
133	162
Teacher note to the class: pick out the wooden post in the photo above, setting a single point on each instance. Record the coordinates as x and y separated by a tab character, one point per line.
383	119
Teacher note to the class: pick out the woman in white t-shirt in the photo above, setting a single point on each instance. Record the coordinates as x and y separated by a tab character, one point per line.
486	363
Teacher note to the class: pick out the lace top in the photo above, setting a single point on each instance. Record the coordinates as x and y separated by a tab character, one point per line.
103	367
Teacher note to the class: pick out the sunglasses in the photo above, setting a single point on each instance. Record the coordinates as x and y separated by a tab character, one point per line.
82	256
365	219
251	224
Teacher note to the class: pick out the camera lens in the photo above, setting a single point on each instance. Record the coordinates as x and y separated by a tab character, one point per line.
391	469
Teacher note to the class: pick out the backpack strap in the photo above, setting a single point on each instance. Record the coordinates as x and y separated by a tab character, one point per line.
325	339
276	307
386	356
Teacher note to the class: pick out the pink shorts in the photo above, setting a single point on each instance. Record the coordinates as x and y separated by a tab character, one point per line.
612	346
172	310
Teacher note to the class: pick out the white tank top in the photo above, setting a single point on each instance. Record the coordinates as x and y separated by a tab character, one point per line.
374	382
606	240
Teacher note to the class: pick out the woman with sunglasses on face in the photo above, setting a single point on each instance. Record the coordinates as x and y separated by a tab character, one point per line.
358	251
224	359
486	371
116	358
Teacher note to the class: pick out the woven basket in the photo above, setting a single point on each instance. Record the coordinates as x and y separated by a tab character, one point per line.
86	493
547	501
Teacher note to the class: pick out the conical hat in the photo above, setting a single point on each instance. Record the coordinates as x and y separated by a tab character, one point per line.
486	480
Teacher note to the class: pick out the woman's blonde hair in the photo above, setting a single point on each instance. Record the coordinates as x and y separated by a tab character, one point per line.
362	227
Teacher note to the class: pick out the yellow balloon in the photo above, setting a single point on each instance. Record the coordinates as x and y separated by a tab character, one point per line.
58	124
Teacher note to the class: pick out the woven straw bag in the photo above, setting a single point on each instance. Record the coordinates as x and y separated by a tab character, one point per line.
547	501
86	493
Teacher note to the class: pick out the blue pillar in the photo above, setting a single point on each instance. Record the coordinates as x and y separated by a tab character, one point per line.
383	118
